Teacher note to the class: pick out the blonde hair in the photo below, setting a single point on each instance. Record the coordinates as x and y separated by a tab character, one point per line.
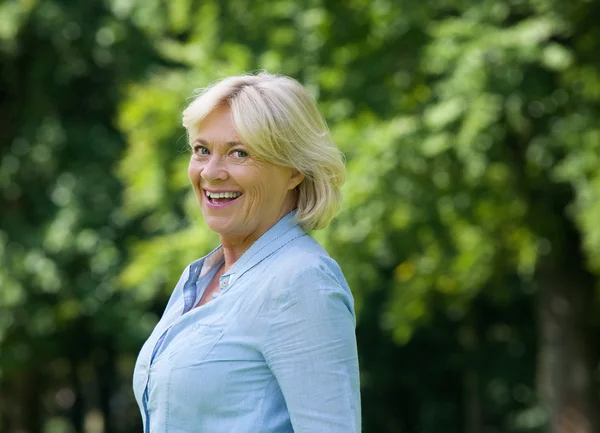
280	123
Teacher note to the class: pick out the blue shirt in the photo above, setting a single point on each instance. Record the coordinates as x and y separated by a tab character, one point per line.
273	352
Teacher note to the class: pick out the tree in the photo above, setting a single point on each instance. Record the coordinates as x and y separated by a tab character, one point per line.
469	230
63	319
472	155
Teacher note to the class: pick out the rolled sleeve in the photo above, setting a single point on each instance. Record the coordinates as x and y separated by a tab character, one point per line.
311	350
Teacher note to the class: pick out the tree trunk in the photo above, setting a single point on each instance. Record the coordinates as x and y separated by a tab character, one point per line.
25	390
106	375
76	412
473	410
565	362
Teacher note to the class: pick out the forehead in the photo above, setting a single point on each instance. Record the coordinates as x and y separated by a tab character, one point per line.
217	127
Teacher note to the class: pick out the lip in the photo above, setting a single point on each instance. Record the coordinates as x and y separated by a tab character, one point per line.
218	205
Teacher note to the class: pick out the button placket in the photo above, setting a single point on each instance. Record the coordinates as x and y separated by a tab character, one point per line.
224	282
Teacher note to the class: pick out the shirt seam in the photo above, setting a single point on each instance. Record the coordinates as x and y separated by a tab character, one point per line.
239	274
276	310
259	419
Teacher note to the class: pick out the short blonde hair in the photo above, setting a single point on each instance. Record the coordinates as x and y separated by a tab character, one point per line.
280	123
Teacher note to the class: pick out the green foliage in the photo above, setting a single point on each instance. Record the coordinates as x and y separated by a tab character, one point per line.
470	131
61	227
454	120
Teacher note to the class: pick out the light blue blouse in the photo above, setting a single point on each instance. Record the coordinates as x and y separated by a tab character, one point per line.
273	352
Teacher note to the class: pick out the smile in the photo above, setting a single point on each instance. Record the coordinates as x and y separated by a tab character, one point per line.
221	199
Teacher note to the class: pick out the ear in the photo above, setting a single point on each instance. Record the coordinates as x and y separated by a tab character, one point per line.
295	179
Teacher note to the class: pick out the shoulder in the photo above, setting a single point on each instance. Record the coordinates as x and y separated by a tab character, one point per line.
302	272
304	257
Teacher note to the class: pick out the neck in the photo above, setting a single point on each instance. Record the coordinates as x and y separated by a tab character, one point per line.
236	245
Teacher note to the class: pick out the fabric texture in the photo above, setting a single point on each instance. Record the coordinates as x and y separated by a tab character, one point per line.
273	352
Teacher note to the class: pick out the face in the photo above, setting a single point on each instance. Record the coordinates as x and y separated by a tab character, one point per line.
240	196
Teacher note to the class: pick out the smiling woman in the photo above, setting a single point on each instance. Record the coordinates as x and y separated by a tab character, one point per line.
258	336
222	167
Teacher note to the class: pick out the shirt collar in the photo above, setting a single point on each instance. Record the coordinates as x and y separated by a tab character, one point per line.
281	233
214	258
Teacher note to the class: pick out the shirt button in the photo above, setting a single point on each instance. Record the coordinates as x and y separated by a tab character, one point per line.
223	283
214	295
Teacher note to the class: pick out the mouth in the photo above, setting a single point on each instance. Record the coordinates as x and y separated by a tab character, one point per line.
221	198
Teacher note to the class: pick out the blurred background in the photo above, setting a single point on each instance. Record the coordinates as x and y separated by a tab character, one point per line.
470	232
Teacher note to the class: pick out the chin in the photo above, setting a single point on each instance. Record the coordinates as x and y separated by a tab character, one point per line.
215	226
218	225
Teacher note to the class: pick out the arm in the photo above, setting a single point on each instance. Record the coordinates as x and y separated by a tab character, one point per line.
311	350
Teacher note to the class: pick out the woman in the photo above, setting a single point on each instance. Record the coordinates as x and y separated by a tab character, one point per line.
258	336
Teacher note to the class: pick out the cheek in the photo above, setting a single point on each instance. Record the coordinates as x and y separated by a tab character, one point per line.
254	198
255	202
263	196
193	171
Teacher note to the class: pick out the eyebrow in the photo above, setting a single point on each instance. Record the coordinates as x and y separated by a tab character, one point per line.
228	144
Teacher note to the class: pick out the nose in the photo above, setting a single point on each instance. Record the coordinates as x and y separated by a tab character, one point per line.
214	169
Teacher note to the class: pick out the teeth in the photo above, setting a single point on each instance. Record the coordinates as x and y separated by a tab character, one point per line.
223	194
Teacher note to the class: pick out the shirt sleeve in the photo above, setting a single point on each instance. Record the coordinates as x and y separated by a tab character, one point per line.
311	350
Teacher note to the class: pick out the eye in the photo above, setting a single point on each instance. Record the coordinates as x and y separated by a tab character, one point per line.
200	150
239	153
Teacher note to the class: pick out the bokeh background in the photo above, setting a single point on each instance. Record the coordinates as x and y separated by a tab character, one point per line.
470	232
